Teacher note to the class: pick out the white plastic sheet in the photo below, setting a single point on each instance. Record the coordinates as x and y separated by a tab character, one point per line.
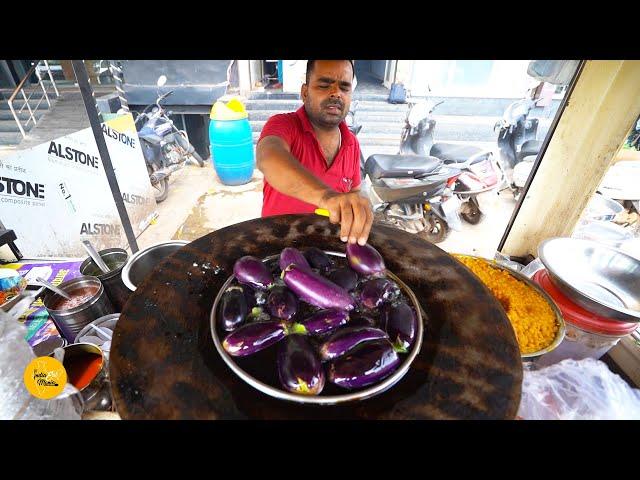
578	390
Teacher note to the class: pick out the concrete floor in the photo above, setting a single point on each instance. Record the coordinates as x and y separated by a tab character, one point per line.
199	203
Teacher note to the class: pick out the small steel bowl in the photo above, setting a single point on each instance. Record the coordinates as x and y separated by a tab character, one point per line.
602	208
599	278
533	356
144	261
365	393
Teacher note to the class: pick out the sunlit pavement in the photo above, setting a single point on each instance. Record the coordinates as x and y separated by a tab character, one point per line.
198	203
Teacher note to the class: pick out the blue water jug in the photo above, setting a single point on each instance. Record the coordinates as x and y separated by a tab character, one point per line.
231	142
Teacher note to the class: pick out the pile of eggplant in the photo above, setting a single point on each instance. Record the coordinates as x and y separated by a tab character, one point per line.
348	324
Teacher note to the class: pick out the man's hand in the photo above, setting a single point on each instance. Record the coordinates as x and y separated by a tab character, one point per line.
352	211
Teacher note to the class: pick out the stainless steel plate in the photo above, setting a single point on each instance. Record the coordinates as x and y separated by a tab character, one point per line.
599	278
322	399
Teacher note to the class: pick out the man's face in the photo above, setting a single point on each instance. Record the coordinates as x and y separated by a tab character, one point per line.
327	96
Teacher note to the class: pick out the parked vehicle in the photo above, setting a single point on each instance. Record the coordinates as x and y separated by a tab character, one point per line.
517	144
634	137
480	172
166	149
411	192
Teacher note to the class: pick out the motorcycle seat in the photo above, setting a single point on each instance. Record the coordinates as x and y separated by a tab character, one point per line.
530	147
400	166
453	153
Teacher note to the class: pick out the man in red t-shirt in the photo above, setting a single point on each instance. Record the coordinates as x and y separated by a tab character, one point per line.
311	160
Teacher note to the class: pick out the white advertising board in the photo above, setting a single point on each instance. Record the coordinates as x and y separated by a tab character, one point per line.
56	194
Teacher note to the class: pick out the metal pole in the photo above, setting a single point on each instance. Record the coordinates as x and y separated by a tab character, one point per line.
55	89
87	97
116	71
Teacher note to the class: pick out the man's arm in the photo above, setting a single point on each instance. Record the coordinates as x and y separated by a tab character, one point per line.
285	173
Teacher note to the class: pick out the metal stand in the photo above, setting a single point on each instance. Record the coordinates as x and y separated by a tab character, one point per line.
7	237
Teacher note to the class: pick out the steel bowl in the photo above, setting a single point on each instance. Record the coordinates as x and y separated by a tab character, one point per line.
558	314
365	393
602	208
597	277
604	232
144	261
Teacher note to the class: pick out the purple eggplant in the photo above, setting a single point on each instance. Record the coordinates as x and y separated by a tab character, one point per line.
249	295
325	320
361	320
365	259
254	337
234	309
344	277
251	271
375	292
299	368
318	259
292	255
401	324
367	364
282	303
316	290
348	338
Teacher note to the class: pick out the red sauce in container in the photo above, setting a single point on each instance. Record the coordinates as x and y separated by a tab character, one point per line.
82	368
78	297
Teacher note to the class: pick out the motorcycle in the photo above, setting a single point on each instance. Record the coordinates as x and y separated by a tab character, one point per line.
480	172
166	149
410	192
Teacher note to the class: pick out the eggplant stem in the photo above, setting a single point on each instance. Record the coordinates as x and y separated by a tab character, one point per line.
296	328
398	347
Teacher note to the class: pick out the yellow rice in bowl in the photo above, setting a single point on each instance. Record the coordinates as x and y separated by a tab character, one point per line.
531	316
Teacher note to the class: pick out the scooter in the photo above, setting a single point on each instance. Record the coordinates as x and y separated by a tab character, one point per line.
480	172
410	192
634	137
166	149
517	144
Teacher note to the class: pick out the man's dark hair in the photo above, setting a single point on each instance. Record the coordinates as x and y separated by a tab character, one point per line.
312	63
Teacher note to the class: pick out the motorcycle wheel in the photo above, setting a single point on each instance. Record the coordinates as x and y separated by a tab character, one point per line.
436	230
470	211
160	189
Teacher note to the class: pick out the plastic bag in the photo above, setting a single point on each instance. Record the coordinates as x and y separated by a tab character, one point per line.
16	403
505	261
532	267
577	390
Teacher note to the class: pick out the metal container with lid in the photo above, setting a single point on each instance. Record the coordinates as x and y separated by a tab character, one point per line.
599	278
69	321
116	259
143	262
589	335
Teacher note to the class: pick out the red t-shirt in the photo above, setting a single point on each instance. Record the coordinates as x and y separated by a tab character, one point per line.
295	129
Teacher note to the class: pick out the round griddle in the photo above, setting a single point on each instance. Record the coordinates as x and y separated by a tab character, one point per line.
164	365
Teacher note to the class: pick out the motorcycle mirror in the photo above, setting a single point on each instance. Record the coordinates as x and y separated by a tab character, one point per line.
162	80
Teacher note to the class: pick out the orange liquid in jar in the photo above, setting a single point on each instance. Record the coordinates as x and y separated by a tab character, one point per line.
82	368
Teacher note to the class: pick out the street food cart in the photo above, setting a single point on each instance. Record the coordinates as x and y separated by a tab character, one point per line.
472	360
